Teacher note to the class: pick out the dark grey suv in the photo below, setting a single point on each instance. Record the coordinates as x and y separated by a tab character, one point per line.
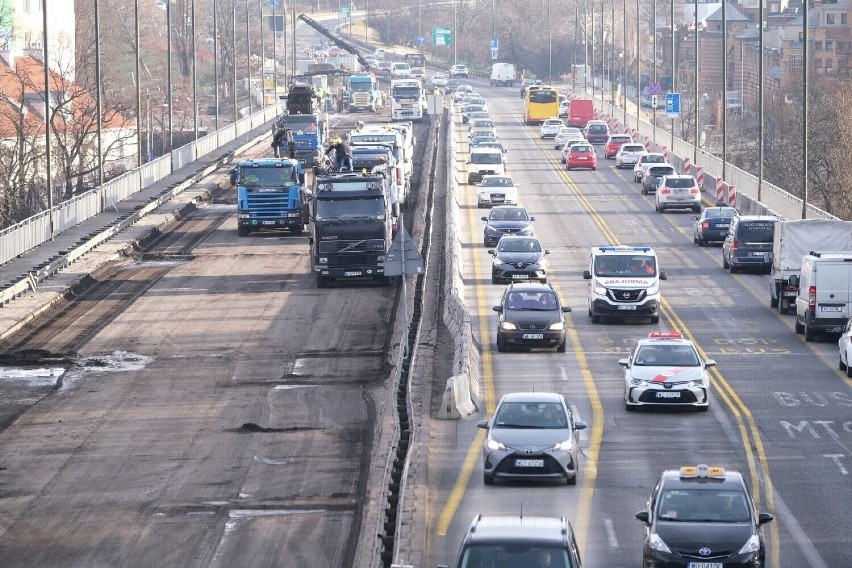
518	259
748	243
530	315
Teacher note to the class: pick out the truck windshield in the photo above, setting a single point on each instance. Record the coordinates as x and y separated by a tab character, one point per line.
626	265
361	87
267	177
343	209
305	124
406	92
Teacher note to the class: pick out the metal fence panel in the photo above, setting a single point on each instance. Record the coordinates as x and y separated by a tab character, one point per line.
183	156
76	210
23	236
206	144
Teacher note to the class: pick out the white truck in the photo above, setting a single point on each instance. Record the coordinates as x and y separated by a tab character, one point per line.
385	135
503	74
795	239
824	301
408	100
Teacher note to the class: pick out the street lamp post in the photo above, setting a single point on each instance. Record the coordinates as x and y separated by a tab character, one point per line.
805	111
638	69
654	43
725	91
574	69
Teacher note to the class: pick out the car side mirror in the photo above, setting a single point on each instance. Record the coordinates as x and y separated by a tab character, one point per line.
566	309
301	178
233	176
624	362
587	275
580	425
695	217
484	219
664	276
764	518
491	252
498	309
532	218
546	251
793	281
482	424
709	363
644	517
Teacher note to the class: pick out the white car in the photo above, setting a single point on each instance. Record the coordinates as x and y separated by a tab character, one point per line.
677	192
550	127
666	370
646	160
565	134
628	155
439	79
458	71
845	344
566	149
496	190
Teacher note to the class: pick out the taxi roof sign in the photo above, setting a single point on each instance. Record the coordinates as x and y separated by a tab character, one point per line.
665	335
702	471
623	248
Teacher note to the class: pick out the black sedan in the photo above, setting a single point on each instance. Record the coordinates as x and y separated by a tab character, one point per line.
530	315
518	259
653	175
712	225
506	220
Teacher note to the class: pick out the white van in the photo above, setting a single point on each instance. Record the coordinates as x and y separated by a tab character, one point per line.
484	161
824	302
503	74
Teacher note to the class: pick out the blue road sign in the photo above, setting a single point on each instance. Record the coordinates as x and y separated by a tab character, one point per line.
420	40
673	104
272	3
655	88
495	42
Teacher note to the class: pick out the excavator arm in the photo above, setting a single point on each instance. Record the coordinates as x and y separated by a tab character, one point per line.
344	45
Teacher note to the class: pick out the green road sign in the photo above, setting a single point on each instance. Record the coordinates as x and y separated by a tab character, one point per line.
442	35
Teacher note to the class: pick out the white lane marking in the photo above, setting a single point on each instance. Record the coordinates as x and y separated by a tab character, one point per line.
836	459
610	533
251	513
563	373
291	387
785	516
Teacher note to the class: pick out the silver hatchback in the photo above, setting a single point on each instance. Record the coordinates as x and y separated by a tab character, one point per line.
532	435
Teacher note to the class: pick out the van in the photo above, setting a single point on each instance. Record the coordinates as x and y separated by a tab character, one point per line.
518	541
749	243
624	283
484	161
823	301
503	74
580	112
597	131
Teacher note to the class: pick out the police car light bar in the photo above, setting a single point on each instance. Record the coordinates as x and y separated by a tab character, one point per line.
622	248
702	471
665	335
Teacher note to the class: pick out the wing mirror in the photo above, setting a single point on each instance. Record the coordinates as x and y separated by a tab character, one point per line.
664	276
644	517
233	176
624	362
587	275
498	309
482	424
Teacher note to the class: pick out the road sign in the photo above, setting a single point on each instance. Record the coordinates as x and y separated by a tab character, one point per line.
495	42
655	88
272	4
420	40
344	11
403	256
442	35
673	105
494	54
653	101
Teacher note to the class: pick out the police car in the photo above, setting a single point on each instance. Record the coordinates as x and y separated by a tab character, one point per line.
624	283
666	370
702	517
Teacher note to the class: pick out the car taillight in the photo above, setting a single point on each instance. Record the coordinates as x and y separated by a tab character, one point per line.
735	245
694	191
399	176
812	298
705	225
665	191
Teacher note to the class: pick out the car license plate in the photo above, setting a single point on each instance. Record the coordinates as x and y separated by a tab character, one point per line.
582	158
628	308
831	308
756	253
352	273
668	394
529	463
533	336
704	565
723	225
790	294
520	276
267	222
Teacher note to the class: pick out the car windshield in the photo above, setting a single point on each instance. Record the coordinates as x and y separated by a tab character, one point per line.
703	506
654	159
719	212
756	231
514	553
483	124
530	415
497	182
578	149
679	182
532	301
509	214
650	355
519	245
553	122
486	158
626	266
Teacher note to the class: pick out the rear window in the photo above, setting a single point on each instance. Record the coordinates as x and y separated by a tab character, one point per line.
632	148
665	172
678	182
654	159
715	213
597	128
756	231
483	158
620	139
578	149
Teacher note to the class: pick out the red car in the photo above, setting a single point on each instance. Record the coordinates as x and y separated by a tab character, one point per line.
581	156
614	143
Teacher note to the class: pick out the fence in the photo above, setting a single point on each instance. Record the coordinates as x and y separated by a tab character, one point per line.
29	233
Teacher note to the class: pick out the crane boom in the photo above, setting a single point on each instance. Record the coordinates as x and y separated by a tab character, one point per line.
344	45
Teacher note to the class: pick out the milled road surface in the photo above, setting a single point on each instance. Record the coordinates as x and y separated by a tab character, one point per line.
217	410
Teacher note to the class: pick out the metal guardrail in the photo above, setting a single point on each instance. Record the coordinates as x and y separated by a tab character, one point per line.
29	233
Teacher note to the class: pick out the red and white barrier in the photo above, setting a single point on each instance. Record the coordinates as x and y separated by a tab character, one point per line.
732	195
666	153
686	165
720	191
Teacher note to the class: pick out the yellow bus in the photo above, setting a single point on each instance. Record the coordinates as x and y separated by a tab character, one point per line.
540	103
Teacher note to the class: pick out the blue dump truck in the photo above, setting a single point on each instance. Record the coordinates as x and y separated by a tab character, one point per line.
305	121
271	194
352	226
364	93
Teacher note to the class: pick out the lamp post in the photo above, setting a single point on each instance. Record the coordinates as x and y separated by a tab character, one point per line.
760	103
549	45
805	111
697	99
725	91
574	69
638	70
654	43
624	58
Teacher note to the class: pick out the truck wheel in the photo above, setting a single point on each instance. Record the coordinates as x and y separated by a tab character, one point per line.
773	299
724	262
243	231
322	282
810	334
297	229
783	307
799	327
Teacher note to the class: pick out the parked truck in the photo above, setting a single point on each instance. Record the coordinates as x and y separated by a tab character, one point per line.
794	240
270	195
363	93
305	121
408	100
373	134
352	226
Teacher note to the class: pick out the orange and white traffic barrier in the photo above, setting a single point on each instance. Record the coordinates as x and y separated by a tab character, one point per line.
686	165
720	191
666	153
699	176
732	195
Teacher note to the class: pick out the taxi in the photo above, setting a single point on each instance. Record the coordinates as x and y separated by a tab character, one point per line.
702	517
666	370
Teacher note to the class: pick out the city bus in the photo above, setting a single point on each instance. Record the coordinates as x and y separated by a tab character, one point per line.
415	59
540	102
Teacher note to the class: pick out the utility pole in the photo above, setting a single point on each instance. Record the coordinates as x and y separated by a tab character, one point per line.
805	111
725	91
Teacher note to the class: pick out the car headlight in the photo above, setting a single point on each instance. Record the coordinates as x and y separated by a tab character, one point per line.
657	543
653	289
494	445
565	445
323	260
698	382
751	545
484	194
638	382
489	230
598	289
526	231
558	326
507	326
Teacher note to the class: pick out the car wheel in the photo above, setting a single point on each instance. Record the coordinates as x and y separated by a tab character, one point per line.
724	262
810	334
840	364
733	269
594	168
487	479
495	280
799	327
572	480
567	168
243	231
561	348
655	319
848	371
596	319
501	345
773	300
702	243
644	192
704	408
629	407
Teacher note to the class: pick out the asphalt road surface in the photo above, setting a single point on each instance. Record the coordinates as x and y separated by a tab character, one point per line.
781	412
